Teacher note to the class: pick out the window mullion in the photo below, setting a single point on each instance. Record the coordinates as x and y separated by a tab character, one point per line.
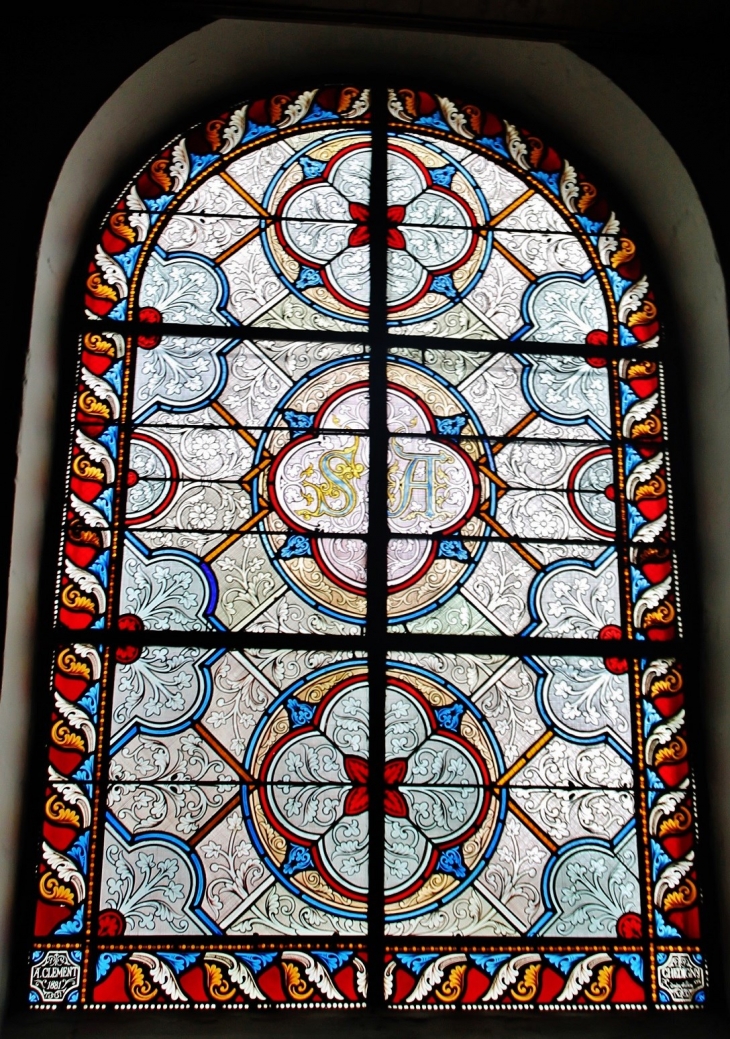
377	538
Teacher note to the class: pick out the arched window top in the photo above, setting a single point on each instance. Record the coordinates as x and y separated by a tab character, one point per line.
368	673
283	185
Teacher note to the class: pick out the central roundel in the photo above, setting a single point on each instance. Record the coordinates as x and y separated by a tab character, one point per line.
307	807
319	238
317	485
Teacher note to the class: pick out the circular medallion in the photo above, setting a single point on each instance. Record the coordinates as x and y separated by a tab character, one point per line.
306	807
443	815
318	241
314	462
152	478
591	492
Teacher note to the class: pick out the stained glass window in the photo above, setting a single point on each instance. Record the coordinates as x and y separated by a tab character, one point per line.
368	682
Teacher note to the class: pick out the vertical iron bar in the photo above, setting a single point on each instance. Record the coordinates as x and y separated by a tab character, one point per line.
377	583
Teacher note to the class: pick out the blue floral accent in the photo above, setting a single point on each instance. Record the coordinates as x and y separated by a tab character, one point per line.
618	284
452	426
114	378
563	963
443	176
298	420
591	226
90	700
128	259
489	962
631	458
79	851
257	960
300	713
638	582
496	144
103	502
118	313
105	963
200	162
179	961
416	961
435	119
312	167
316	112
297	545
110	439
659	859
651	717
444	283
453	549
308	276
74	925
254	130
297	860
550	180
85	773
628	397
634	962
33	997
636	520
156	205
333	960
450	717
450	861
664	929
73	996
100	567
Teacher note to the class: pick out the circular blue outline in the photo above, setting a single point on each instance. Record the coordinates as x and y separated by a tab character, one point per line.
489	237
461	697
245	799
393	323
264	224
256	490
500	795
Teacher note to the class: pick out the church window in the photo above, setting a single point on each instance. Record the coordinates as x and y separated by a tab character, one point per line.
368	682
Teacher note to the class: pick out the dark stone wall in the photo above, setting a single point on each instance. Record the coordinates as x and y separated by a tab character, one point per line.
665	55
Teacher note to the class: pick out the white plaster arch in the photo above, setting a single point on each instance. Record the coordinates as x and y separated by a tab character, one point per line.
560	90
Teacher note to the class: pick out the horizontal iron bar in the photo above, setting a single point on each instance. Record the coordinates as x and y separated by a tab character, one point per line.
236	481
273	219
287	335
175	942
490	438
237	332
490	645
518	346
355	535
233	784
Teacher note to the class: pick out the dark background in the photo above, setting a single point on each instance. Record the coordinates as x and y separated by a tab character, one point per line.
668	56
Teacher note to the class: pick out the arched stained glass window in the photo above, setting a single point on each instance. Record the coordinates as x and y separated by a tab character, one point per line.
367	670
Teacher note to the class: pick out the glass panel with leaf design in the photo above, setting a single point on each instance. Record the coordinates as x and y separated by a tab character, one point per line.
368	546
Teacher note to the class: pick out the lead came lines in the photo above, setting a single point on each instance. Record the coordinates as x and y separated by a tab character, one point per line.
457	546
